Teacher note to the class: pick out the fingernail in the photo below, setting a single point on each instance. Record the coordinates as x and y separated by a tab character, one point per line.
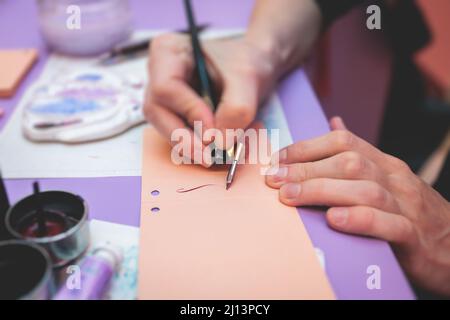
271	171
277	173
290	190
341	123
281	173
339	216
279	157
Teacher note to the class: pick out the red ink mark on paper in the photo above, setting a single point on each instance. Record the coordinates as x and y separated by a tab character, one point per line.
183	190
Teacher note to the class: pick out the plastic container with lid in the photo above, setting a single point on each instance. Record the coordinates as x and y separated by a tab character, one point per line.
102	24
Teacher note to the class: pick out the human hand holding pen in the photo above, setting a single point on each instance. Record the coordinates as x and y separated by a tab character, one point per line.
243	70
239	71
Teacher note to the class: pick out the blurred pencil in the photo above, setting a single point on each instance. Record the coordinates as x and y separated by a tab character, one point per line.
128	51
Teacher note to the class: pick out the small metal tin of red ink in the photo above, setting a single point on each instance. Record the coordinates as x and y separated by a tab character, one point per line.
67	228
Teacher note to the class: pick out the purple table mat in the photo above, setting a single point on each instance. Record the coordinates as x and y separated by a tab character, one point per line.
117	199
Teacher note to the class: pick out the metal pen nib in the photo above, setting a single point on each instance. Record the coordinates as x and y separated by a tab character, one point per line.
232	170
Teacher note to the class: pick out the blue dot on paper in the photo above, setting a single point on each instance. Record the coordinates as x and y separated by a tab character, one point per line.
155	193
155	209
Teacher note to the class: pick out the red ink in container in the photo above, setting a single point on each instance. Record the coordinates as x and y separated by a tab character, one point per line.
56	220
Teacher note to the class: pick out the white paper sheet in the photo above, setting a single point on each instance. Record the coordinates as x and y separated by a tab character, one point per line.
118	156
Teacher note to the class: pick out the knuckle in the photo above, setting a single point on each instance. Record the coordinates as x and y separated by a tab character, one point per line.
163	40
169	43
161	90
367	221
376	195
301	172
410	189
343	139
353	164
414	195
158	42
411	192
293	150
295	147
240	113
192	113
254	63
149	112
406	230
248	71
398	164
316	187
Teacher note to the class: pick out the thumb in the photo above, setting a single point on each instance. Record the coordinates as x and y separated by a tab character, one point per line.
237	108
336	123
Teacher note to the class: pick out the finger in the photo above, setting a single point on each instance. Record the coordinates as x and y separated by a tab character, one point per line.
181	99
334	192
372	222
167	123
170	69
329	145
347	165
238	106
336	123
161	118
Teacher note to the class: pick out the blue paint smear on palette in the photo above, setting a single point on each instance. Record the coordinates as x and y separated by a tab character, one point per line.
66	106
89	77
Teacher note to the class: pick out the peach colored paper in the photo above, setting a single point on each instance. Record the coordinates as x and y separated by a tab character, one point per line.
216	244
14	65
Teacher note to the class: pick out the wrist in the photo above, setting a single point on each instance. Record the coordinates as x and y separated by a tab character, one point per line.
288	40
270	48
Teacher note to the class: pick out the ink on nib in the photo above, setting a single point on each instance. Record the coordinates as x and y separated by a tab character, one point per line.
232	170
229	179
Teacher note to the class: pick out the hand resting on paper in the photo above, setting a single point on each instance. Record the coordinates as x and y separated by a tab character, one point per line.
373	194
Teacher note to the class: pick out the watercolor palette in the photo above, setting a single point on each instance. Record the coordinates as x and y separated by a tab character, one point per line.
83	106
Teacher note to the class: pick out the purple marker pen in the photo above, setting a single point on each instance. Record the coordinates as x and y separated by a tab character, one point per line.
96	271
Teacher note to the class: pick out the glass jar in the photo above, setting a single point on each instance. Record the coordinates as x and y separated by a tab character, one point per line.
84	27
